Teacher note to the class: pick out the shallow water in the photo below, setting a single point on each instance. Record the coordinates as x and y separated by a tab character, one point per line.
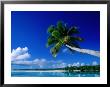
55	74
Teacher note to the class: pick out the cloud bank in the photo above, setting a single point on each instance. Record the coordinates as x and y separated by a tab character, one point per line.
41	63
19	54
94	63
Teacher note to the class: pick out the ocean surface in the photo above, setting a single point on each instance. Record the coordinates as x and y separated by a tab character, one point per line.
54	74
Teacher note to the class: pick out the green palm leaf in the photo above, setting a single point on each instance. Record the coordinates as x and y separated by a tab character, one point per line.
73	30
56	34
76	38
61	35
51	29
51	40
61	28
56	48
59	25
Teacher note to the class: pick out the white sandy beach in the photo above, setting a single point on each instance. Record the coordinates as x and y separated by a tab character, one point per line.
42	71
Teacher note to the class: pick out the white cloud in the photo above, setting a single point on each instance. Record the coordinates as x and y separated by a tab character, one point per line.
76	64
19	54
61	65
69	65
82	64
42	63
94	63
22	62
50	63
39	62
25	49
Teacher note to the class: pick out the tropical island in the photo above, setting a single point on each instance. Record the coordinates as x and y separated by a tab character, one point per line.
95	68
62	44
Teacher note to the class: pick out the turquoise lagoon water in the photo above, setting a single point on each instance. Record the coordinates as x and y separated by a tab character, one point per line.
55	74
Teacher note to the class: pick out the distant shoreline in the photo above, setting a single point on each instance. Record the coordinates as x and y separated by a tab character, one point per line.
39	71
66	69
43	71
50	71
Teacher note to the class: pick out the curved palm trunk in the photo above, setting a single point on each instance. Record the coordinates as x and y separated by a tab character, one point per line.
87	51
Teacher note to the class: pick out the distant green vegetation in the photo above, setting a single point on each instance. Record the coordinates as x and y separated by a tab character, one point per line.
95	68
86	68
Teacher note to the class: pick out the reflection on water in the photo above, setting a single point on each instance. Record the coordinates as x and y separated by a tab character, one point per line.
82	74
55	74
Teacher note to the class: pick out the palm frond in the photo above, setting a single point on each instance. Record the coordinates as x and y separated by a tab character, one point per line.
56	34
51	29
56	49
59	25
74	44
76	38
60	35
73	30
61	28
51	40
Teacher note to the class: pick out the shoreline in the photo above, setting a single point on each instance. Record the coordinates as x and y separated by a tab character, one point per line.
39	71
45	71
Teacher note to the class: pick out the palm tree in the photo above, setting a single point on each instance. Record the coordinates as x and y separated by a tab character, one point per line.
60	35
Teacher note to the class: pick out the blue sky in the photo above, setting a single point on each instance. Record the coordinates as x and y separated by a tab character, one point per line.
29	35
